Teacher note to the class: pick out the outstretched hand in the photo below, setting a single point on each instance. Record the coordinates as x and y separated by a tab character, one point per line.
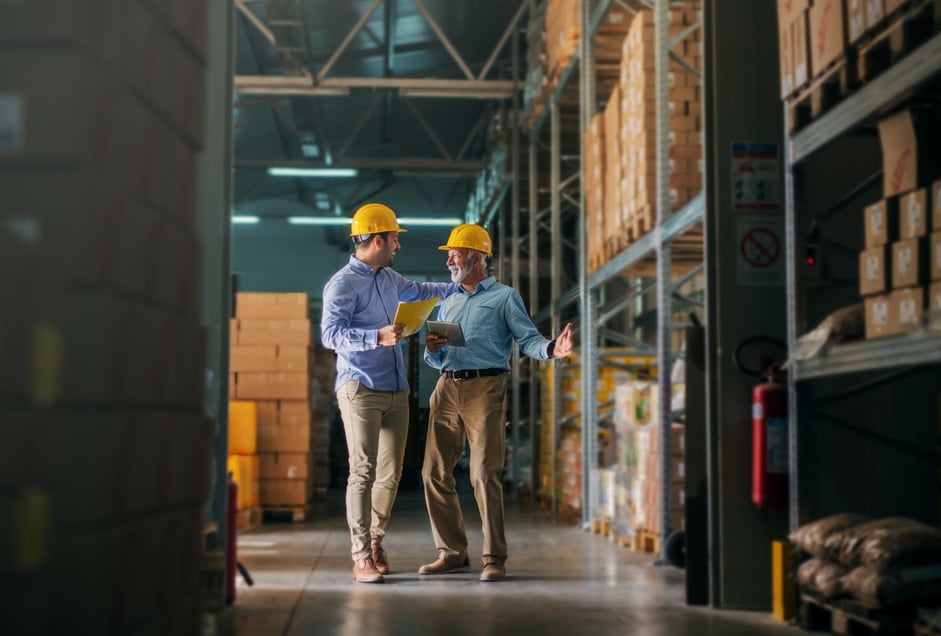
564	343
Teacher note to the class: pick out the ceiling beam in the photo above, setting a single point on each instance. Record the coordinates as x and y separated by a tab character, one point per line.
408	86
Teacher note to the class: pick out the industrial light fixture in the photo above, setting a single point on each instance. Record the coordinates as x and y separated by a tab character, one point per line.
312	172
245	219
345	220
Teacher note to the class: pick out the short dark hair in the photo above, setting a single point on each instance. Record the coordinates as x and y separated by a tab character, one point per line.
362	239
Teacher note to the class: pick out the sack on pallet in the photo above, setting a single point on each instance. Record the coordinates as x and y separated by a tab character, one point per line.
812	537
886	543
846	323
822	575
867	584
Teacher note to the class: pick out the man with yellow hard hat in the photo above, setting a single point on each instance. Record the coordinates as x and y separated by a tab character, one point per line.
469	401
359	304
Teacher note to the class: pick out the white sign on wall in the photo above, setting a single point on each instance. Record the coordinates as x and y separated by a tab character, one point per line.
761	244
756	177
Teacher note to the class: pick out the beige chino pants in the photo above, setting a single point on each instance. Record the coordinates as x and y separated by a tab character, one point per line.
474	410
376	427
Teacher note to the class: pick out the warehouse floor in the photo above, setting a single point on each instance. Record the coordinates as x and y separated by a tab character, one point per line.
560	580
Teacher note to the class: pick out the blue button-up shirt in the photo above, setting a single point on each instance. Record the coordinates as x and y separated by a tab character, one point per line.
491	318
357	303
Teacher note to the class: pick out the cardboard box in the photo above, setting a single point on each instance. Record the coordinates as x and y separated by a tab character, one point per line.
786	58
260	331
285	492
788	10
909	263
877	316
907	309
800	45
827	34
855	19
285	439
934	250
272	386
294	413
881	227
894	5
906	163
875	11
285	465
259	305
913	214
935	196
934	296
874	271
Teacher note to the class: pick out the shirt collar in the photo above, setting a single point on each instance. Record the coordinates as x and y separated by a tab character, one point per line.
359	266
486	283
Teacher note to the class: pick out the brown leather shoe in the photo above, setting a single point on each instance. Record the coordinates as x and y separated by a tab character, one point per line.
493	572
364	571
380	558
442	565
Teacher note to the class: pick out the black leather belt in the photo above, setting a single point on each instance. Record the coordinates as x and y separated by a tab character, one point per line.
467	374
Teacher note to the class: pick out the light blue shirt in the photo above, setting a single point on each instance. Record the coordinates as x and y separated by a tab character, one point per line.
357	303
491	318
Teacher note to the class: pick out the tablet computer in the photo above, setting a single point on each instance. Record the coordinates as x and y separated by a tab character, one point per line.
450	330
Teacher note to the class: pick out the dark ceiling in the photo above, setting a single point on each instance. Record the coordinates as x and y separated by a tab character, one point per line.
419	153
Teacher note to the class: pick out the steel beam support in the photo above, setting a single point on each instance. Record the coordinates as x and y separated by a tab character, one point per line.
555	145
349	38
429	130
663	249
511	28
516	414
535	422
444	38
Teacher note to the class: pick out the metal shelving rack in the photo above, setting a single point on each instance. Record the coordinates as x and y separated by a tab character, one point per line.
656	243
882	94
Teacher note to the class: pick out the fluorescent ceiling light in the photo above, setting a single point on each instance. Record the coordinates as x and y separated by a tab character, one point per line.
449	222
345	220
312	172
319	220
245	218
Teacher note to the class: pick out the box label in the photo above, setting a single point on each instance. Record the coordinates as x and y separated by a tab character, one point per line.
12	122
914	215
880	313
872	267
904	263
873	11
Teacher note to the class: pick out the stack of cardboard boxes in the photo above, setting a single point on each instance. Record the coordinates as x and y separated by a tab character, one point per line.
621	143
106	468
272	365
900	267
639	461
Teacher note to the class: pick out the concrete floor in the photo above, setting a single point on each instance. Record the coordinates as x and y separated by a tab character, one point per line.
560	580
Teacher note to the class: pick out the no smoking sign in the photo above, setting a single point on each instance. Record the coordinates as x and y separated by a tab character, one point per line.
760	251
760	247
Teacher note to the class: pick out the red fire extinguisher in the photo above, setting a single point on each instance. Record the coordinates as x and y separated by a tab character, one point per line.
769	432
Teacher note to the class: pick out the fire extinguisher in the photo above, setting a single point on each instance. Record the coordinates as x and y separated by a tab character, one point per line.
769	430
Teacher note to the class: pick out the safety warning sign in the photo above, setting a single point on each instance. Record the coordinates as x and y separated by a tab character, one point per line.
756	177
760	242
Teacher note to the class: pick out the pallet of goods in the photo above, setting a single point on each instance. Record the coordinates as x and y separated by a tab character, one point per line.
273	365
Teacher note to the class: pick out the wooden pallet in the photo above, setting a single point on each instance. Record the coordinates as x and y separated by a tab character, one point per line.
602	527
904	32
247	519
846	616
646	541
282	514
823	93
642	221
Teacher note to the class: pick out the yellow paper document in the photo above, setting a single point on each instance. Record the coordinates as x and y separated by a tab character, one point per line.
413	315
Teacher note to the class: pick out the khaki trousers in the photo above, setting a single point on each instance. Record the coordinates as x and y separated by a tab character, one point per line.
376	426
474	410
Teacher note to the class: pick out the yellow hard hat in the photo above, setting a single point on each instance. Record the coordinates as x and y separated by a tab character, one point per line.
374	218
469	236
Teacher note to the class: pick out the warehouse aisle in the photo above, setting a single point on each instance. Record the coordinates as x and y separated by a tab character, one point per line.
561	580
